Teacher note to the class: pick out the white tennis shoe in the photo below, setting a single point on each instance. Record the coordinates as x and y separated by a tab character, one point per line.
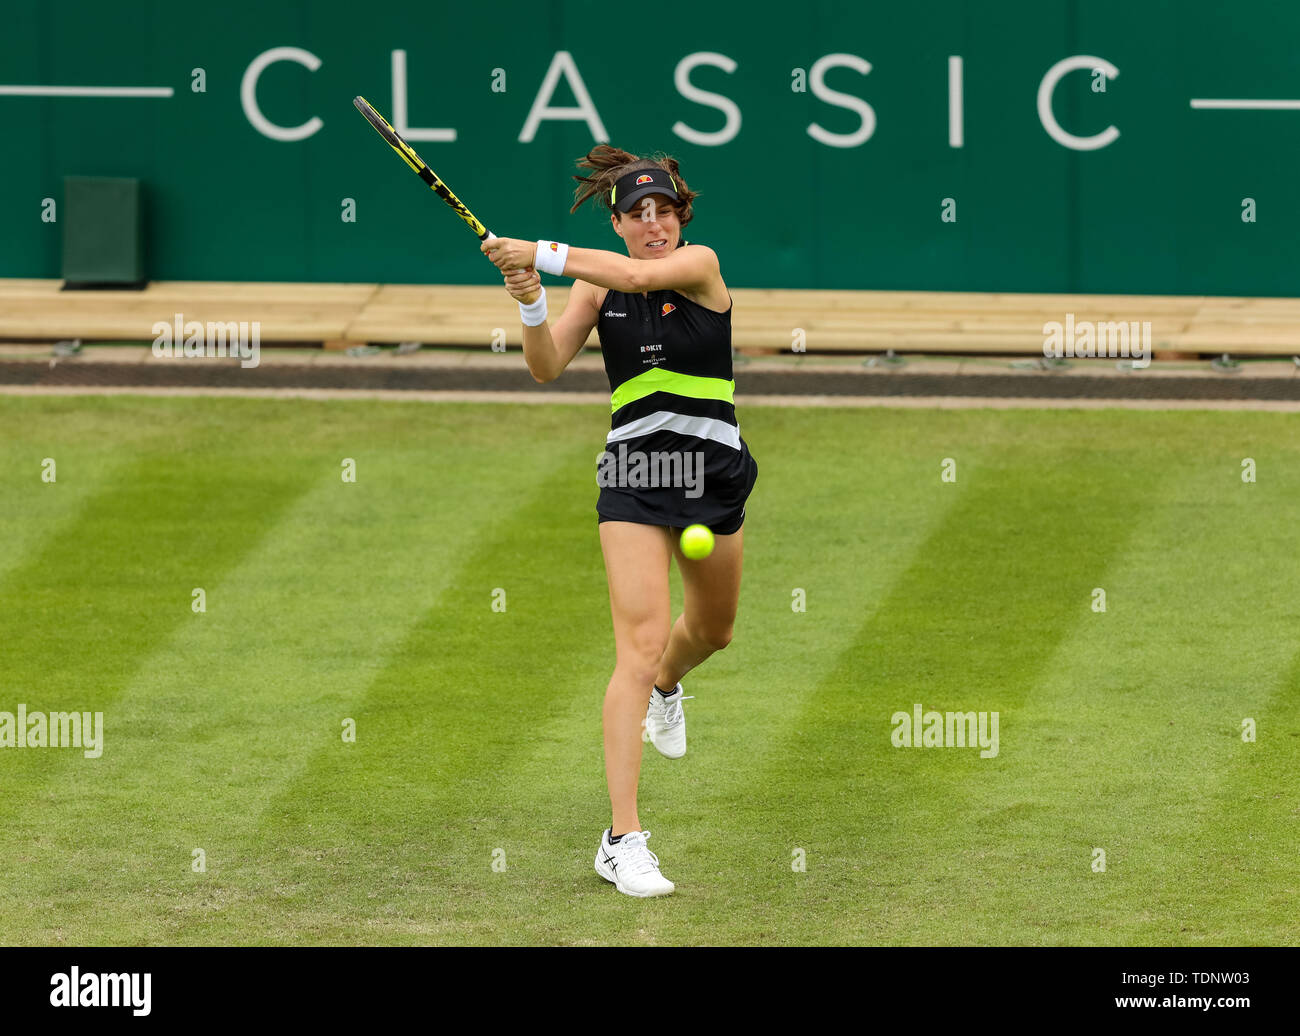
665	722
632	867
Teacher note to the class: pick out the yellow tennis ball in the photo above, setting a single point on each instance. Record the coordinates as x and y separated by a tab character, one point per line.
697	542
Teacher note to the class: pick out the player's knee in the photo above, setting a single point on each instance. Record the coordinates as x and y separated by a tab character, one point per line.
714	637
642	672
642	651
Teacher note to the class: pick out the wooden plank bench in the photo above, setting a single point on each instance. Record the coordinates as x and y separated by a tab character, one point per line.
339	315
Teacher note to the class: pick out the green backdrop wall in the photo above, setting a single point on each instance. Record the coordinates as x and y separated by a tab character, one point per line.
838	185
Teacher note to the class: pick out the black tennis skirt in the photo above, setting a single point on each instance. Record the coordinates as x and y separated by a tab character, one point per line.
728	479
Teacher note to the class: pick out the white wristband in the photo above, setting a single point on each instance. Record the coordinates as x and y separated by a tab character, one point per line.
534	313
551	257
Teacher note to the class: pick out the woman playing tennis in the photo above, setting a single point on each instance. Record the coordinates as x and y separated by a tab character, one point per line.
663	314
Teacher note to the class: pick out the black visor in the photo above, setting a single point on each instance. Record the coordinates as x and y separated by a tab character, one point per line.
632	187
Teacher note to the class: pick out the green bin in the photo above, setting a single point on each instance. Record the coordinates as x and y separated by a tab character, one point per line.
103	233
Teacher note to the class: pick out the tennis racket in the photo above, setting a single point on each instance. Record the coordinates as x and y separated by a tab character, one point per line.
426	174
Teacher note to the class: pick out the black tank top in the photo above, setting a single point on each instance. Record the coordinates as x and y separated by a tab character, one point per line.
668	361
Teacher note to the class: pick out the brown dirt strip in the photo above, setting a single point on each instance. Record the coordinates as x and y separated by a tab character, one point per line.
602	399
1073	387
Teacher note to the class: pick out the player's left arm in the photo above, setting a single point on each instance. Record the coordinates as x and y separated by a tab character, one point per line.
689	267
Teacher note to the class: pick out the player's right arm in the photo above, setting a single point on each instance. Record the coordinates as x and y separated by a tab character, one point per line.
548	350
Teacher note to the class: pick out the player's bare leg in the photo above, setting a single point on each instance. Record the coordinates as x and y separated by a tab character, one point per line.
636	562
712	596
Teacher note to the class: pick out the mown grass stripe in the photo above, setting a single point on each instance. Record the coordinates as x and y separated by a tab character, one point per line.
956	633
86	448
457	704
229	716
1146	715
82	614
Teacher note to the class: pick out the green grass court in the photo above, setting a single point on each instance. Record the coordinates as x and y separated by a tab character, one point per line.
480	730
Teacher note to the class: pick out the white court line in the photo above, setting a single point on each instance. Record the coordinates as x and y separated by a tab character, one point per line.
86	91
956	113
1204	102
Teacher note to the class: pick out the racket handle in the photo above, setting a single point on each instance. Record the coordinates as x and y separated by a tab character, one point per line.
531	297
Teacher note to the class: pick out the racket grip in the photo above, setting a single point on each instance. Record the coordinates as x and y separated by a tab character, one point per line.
532	296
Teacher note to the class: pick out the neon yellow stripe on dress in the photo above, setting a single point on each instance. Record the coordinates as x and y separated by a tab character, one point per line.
656	379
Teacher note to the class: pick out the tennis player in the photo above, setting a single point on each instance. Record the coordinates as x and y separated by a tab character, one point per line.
663	314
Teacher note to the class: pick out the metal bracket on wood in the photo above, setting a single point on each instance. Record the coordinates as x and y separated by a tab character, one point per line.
1042	363
890	359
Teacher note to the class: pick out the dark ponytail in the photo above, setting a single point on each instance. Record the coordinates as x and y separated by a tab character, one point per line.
609	163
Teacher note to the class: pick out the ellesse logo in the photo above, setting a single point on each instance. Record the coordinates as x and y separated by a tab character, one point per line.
555	246
647	178
668	308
